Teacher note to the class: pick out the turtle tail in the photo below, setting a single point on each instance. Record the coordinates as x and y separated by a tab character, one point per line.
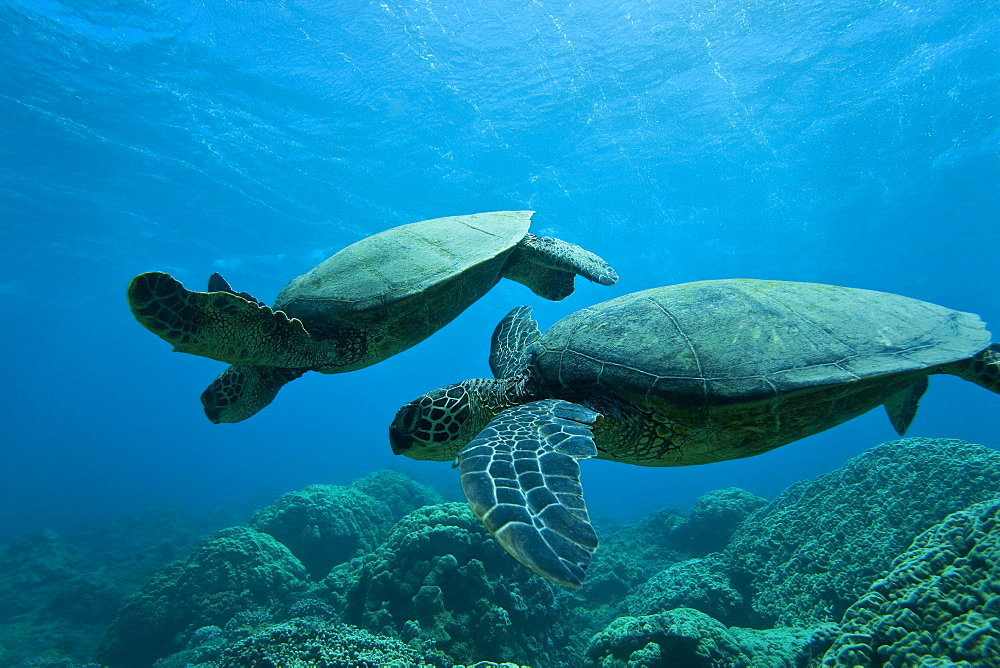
983	368
548	266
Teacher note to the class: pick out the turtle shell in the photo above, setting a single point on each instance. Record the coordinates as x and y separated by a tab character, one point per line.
392	266
741	340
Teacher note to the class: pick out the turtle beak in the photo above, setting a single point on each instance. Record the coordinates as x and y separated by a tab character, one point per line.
212	412
400	441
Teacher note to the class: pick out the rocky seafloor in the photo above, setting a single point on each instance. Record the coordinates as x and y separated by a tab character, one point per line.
891	560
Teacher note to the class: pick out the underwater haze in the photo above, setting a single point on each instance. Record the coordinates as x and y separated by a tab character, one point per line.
847	142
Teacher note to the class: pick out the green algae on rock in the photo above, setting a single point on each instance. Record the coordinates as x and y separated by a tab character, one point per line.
940	602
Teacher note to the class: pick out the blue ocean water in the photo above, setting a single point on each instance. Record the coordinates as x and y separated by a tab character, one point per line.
846	142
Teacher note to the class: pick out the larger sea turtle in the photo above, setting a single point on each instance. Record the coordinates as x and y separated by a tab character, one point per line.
686	374
369	301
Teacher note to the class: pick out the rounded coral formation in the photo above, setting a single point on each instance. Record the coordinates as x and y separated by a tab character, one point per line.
815	549
686	637
441	577
310	642
397	492
325	525
714	519
700	584
940	602
232	570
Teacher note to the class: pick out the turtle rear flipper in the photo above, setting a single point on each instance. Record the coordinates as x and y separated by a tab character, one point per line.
241	391
983	368
223	326
522	480
902	406
548	266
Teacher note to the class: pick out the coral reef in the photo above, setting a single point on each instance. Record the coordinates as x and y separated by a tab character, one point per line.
940	602
310	636
714	519
441	577
644	560
60	591
686	637
700	584
325	525
409	580
397	492
310	642
631	555
814	550
232	570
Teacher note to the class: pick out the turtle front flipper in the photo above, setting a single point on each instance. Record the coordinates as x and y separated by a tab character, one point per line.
522	480
216	283
511	341
548	266
223	326
241	391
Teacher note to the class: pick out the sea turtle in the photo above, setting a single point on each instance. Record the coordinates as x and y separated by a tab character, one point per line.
685	374
369	301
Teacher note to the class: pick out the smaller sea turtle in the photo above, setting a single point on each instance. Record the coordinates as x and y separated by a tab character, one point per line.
685	374
369	301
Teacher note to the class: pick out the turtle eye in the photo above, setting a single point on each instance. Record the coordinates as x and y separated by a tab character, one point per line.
407	419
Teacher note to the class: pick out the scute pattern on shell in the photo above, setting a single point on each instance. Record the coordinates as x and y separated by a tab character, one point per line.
740	339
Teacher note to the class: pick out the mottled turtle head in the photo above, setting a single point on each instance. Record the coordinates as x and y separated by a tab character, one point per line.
241	391
436	425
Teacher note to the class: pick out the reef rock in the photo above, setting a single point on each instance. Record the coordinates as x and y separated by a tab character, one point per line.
940	603
700	584
311	642
232	570
812	552
325	525
631	555
686	637
714	519
440	577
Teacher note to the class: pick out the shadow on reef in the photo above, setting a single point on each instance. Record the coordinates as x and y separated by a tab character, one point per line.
893	559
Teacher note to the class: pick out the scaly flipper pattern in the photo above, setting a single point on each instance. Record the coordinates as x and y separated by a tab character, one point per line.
983	369
548	266
562	255
511	340
522	480
222	326
242	391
